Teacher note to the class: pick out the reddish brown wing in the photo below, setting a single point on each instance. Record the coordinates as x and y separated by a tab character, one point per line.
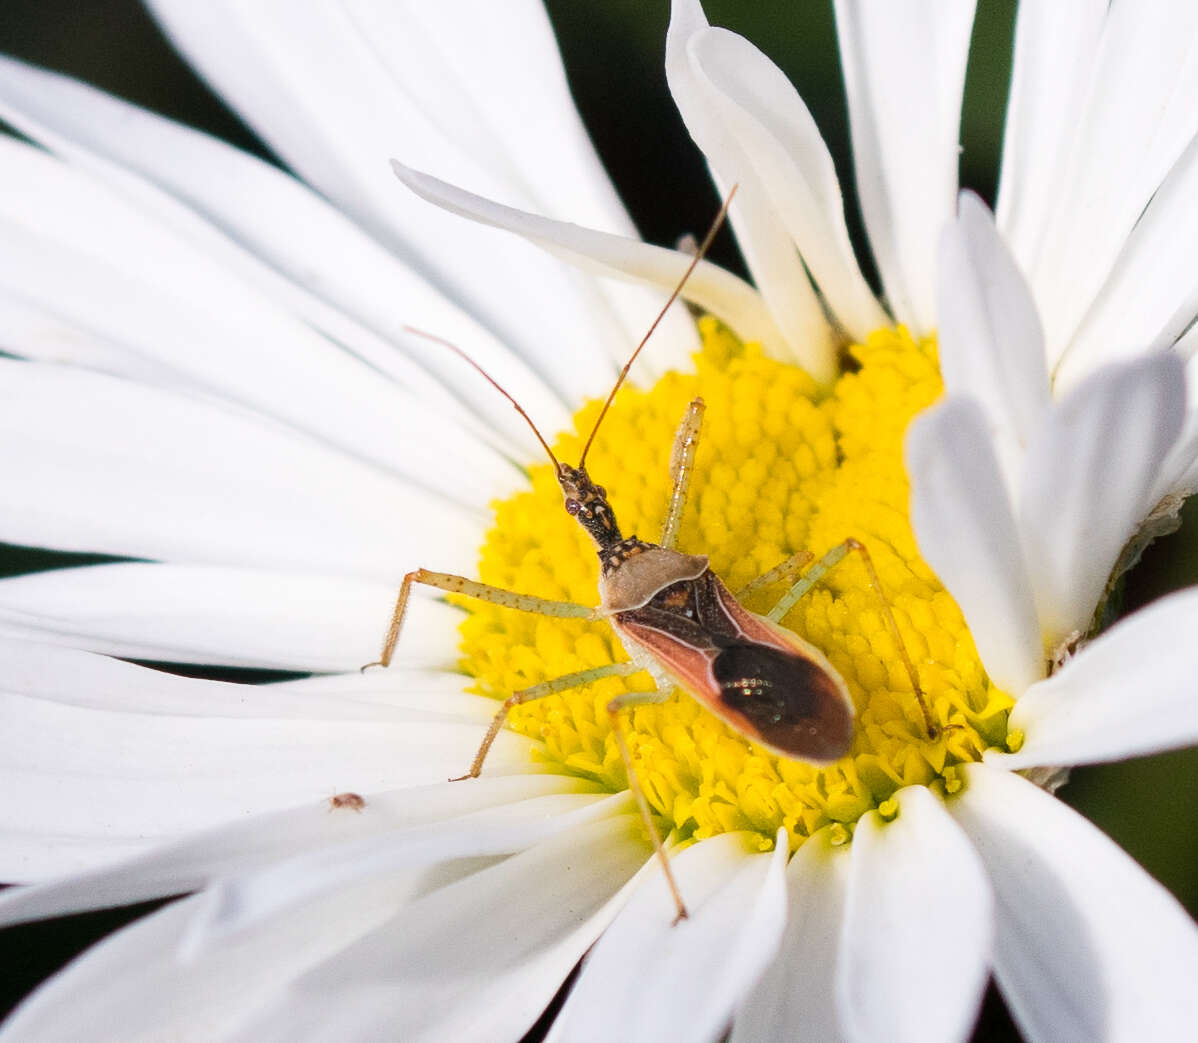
764	681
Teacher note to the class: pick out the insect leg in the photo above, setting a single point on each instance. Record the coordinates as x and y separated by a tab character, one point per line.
624	702
473	589
817	571
682	466
539	691
790	568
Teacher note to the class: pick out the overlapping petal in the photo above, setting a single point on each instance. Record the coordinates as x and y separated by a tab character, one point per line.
765	242
918	921
990	341
1128	693
967	532
697	970
323	87
904	117
1091	470
1088	946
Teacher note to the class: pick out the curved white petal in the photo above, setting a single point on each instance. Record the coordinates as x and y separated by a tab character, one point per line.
1136	120
649	979
223	616
94	463
1151	297
990	340
1178	474
1129	692
102	759
711	287
273	232
918	922
1088	946
332	91
904	70
764	240
131	986
118	274
247	902
1055	48
477	959
792	1003
259	841
967	533
765	114
1090	473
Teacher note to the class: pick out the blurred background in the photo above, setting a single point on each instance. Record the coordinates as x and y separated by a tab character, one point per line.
613	55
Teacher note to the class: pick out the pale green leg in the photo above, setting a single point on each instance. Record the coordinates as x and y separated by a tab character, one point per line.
682	467
472	588
539	691
817	572
614	708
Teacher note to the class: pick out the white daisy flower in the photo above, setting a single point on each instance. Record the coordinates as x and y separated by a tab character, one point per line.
218	378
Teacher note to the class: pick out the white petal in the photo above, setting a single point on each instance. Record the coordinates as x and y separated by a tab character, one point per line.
918	923
904	70
764	240
315	83
478	959
181	180
167	476
1178	474
648	980
1136	120
773	126
793	1001
249	901
991	343
1089	947
966	532
247	844
229	617
130	988
1055	48
77	250
712	288
1090	473
1151	297
88	783
1129	692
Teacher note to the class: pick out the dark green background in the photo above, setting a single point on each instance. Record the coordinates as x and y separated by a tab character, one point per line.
613	53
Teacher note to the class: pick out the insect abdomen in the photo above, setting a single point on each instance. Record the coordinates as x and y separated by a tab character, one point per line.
787	701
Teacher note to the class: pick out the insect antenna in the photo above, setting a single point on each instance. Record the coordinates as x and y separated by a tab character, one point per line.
699	255
492	381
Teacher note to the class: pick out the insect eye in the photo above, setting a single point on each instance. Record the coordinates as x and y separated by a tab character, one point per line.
573	506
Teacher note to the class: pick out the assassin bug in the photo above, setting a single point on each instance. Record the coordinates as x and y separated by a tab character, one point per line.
679	622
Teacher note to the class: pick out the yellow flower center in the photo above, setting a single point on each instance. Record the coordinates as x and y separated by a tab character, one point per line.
780	468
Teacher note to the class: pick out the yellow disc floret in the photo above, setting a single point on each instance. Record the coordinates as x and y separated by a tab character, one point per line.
780	468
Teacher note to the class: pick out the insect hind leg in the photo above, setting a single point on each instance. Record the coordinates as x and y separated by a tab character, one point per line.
614	709
540	691
820	569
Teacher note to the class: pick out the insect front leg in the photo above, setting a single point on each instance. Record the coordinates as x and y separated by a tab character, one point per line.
539	691
614	708
472	589
682	466
820	569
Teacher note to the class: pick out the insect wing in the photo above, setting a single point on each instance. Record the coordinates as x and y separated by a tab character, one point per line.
764	681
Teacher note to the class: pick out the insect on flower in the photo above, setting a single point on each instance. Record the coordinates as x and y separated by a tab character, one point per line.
679	622
347	802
